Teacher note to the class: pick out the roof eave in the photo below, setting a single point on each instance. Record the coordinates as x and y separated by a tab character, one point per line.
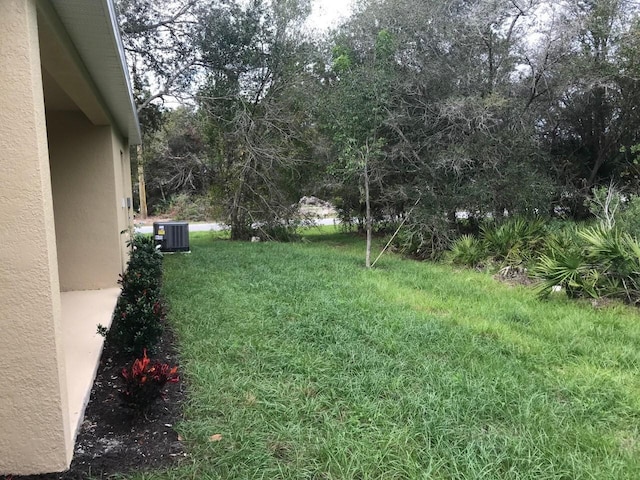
92	26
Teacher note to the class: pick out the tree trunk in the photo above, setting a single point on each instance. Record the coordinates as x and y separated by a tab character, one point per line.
234	217
367	201
238	227
142	187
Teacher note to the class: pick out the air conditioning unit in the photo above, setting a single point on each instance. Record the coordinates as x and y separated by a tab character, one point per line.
171	236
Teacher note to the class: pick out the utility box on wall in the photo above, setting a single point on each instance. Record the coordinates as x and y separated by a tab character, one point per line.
171	236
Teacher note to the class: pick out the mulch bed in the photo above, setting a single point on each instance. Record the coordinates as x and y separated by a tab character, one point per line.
113	438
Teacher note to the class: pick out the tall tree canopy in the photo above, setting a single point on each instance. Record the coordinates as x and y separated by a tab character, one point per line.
482	106
255	57
519	106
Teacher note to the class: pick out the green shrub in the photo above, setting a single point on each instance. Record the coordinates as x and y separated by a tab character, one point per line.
561	235
143	249
468	251
628	217
617	257
516	241
144	270
566	268
595	261
139	314
137	283
137	324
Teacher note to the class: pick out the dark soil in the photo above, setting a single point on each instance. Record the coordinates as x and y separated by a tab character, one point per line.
115	439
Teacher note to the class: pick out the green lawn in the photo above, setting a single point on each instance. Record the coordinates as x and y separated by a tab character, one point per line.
310	366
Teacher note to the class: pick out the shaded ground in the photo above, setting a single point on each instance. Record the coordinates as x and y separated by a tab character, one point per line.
112	438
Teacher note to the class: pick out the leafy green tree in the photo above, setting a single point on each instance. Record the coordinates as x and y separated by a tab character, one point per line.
254	56
456	132
418	110
354	111
591	113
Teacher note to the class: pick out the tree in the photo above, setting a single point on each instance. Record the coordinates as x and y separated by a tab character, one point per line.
488	107
591	113
354	111
176	159
160	43
255	62
455	130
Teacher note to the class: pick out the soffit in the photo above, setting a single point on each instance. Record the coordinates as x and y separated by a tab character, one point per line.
93	29
55	98
63	73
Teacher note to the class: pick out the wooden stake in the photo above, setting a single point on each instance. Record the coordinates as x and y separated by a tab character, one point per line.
396	233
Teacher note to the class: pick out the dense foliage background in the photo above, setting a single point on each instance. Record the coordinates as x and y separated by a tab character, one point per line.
440	113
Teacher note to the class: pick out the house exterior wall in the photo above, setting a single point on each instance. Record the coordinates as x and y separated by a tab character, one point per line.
122	169
86	175
34	432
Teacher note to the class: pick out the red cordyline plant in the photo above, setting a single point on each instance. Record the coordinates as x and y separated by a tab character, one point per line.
145	380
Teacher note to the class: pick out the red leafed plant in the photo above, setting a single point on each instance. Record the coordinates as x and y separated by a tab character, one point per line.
145	380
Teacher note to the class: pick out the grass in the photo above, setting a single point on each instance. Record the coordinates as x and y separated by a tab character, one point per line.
312	367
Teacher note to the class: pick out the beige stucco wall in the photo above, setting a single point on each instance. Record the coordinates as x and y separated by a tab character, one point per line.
87	178
34	426
122	168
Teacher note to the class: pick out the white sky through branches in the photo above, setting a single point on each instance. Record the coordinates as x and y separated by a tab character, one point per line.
328	13
325	15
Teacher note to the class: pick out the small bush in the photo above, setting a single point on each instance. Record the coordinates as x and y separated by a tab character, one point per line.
567	268
136	284
628	217
514	242
468	251
616	257
145	256
137	324
595	261
144	382
138	319
561	235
